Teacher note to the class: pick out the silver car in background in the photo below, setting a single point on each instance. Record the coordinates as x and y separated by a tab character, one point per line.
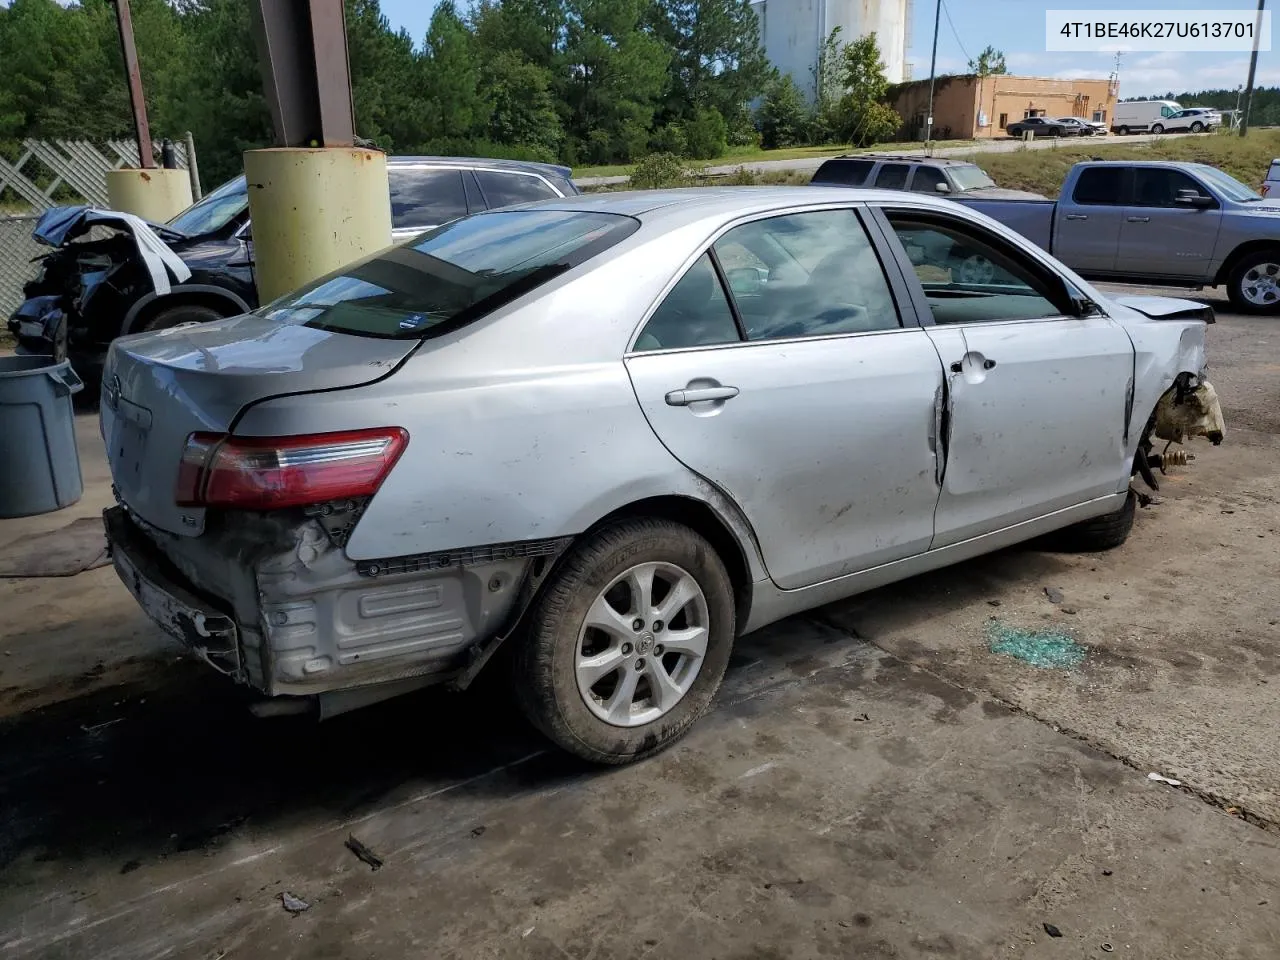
619	431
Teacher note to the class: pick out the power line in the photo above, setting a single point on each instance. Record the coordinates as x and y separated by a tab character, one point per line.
955	34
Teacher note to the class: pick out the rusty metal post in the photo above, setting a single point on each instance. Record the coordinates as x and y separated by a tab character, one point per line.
302	49
134	76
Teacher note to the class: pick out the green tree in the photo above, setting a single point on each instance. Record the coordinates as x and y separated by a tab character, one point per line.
613	79
705	134
523	106
717	60
864	118
785	117
990	62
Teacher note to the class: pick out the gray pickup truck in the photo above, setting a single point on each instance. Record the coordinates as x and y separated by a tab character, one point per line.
1159	223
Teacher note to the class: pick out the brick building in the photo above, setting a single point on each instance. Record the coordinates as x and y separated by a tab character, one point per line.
969	107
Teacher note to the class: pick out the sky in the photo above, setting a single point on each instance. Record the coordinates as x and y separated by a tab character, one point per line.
1017	27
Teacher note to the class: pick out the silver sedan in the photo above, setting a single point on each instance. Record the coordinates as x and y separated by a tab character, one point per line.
608	434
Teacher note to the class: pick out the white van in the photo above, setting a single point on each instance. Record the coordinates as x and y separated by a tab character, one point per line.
1139	116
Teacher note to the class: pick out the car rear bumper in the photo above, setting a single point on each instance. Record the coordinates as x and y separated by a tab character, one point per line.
281	608
206	631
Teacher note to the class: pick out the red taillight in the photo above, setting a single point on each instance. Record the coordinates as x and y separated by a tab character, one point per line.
268	473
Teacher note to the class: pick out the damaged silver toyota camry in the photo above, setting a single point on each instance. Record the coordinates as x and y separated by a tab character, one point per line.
609	434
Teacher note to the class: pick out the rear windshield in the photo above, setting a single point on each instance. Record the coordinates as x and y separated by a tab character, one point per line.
453	274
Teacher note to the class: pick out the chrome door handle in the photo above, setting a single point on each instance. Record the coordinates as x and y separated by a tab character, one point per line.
682	398
1077	216
1138	219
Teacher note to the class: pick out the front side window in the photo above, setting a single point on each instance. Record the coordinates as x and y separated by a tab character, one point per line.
1159	186
970	277
425	197
971	177
806	275
927	180
451	275
696	313
508	189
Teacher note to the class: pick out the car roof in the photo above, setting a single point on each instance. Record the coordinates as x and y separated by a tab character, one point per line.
677	207
903	158
517	166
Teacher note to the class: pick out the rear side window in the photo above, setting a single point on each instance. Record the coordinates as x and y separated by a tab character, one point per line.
452	275
425	198
695	313
506	189
1102	186
847	173
893	176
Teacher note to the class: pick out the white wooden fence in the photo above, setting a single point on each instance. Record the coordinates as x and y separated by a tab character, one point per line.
51	173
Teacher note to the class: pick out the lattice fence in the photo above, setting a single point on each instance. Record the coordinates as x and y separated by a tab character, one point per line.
51	173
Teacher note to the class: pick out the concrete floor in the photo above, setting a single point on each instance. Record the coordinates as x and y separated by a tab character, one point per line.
872	782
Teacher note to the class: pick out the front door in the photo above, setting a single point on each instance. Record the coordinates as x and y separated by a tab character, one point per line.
1037	397
801	396
1159	238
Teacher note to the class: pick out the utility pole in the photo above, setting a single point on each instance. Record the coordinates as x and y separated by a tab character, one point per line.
933	72
134	77
1253	69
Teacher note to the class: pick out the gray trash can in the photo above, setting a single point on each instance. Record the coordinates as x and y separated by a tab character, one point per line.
39	462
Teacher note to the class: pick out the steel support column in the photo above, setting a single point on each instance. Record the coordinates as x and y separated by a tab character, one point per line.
302	48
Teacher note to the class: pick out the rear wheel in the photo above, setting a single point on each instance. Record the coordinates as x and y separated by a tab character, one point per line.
1122	131
1254	283
1101	533
629	643
1157	128
182	313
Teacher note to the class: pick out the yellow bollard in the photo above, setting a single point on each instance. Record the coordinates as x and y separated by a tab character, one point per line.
153	194
313	211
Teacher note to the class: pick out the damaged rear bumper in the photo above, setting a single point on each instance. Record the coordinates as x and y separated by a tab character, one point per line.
208	633
281	608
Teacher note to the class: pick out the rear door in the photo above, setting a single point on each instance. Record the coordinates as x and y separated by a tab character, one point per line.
1037	397
423	197
892	176
802	396
1087	230
1159	238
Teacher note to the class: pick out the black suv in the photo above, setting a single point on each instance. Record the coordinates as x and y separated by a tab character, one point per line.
90	291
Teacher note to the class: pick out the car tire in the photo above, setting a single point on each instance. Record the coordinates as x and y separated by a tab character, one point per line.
1244	290
590	710
1197	127
1157	128
1122	131
1055	131
183	313
1101	533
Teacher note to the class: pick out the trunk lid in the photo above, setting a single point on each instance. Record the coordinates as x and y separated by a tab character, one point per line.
160	387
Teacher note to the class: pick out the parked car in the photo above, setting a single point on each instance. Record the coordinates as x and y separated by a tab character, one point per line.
586	428
89	292
1041	127
1153	222
1272	182
1139	116
1082	128
952	178
1100	127
1191	120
